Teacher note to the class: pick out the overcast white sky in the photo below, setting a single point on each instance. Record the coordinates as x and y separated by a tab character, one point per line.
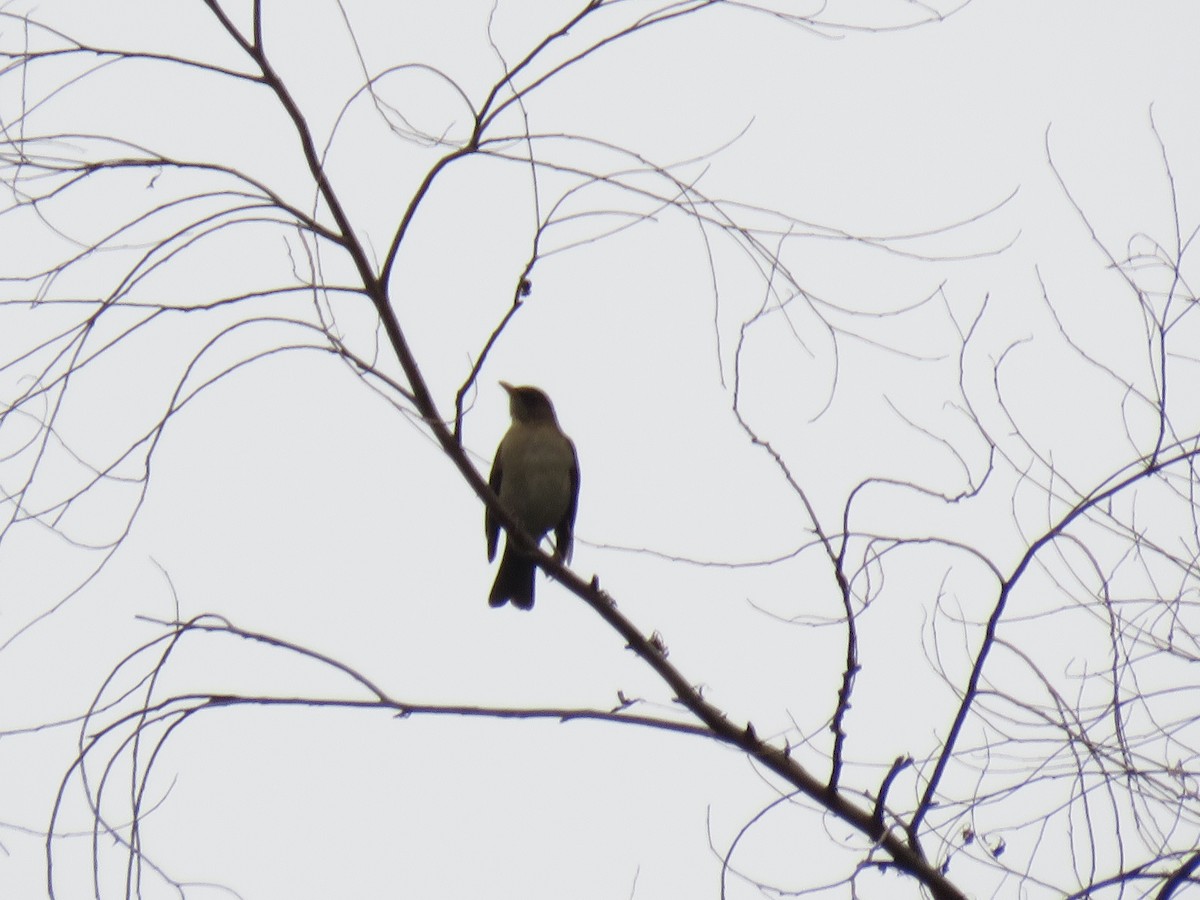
294	500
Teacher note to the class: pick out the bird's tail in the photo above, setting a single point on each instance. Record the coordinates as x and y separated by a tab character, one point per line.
514	581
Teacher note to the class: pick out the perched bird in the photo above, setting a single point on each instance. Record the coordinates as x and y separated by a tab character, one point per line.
536	476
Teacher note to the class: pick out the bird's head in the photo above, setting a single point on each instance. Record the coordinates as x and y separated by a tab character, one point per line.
528	404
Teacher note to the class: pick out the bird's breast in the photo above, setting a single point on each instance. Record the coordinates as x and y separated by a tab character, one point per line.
536	487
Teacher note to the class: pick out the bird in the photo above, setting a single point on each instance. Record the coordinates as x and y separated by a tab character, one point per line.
536	476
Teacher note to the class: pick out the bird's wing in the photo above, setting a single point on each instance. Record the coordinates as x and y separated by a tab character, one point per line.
564	532
491	525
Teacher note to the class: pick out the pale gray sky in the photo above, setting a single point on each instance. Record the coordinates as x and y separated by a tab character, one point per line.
297	502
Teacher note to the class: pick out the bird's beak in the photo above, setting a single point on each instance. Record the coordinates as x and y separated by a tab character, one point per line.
508	387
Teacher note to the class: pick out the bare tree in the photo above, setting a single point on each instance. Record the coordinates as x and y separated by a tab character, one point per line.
989	589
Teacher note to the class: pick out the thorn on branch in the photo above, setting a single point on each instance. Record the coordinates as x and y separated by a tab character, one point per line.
698	688
594	584
659	644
